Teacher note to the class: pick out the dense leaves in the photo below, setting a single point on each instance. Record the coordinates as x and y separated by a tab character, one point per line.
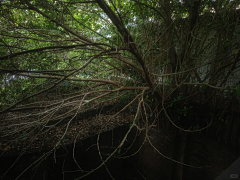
132	44
154	58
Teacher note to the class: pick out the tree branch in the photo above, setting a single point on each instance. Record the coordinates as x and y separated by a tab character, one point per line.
49	47
127	38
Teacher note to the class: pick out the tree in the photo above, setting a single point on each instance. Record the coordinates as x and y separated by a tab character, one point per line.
159	57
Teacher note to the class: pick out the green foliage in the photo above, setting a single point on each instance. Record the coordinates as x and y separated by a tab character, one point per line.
24	136
119	150
53	39
197	127
65	140
203	87
238	90
184	110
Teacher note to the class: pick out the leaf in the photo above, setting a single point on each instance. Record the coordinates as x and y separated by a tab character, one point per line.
119	150
24	138
196	127
66	83
64	140
204	87
238	90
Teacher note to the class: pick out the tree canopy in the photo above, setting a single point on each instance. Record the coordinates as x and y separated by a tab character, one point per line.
60	58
